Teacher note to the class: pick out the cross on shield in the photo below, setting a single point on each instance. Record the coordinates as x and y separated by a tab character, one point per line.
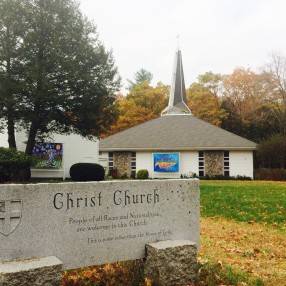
10	215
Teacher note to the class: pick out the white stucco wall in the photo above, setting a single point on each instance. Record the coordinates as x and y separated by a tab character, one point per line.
241	163
76	149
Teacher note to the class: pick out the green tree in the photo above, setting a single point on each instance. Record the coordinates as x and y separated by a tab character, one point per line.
211	81
12	29
140	76
67	77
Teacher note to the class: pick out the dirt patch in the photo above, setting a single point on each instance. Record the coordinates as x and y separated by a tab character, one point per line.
254	248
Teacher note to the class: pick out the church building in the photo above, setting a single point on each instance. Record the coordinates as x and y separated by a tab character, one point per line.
177	143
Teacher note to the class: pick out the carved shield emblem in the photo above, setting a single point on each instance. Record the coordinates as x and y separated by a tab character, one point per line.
10	215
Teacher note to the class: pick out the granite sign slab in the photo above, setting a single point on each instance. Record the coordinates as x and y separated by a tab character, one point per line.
94	223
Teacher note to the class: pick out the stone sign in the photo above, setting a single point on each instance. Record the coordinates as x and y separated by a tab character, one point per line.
94	223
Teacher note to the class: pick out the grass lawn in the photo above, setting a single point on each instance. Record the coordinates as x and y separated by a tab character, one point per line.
243	227
246	201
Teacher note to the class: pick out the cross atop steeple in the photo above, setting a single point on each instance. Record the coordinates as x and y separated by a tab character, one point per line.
177	100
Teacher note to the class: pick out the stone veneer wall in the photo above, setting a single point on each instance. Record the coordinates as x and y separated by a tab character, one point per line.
122	162
213	163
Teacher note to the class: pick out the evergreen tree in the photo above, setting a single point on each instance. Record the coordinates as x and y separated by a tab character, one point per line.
140	76
66	77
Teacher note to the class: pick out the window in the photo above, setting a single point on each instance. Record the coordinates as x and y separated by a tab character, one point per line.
201	164
133	164
110	162
226	163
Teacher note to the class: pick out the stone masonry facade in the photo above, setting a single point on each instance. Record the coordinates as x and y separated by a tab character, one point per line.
214	163
122	163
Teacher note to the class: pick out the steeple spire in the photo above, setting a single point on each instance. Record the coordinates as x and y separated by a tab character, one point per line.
177	100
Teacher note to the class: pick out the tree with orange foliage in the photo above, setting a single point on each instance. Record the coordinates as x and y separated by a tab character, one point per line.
245	100
143	103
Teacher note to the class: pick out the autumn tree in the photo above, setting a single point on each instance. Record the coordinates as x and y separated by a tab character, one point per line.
244	95
67	78
203	98
140	76
143	103
277	93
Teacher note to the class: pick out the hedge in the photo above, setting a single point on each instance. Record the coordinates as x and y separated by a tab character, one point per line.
14	165
87	172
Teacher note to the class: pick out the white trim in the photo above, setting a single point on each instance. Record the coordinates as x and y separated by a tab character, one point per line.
179	149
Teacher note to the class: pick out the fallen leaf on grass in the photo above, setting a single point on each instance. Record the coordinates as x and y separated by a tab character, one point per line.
256	250
251	222
217	277
202	261
266	253
219	263
148	282
272	256
235	250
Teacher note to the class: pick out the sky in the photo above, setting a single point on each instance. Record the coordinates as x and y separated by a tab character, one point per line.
215	35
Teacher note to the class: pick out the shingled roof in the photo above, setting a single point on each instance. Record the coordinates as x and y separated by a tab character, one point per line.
175	132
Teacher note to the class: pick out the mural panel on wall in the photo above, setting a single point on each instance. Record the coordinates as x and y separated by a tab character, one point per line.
166	162
48	155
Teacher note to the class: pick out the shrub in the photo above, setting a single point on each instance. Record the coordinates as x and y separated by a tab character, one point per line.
113	173
124	176
14	165
270	174
87	172
142	174
225	178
